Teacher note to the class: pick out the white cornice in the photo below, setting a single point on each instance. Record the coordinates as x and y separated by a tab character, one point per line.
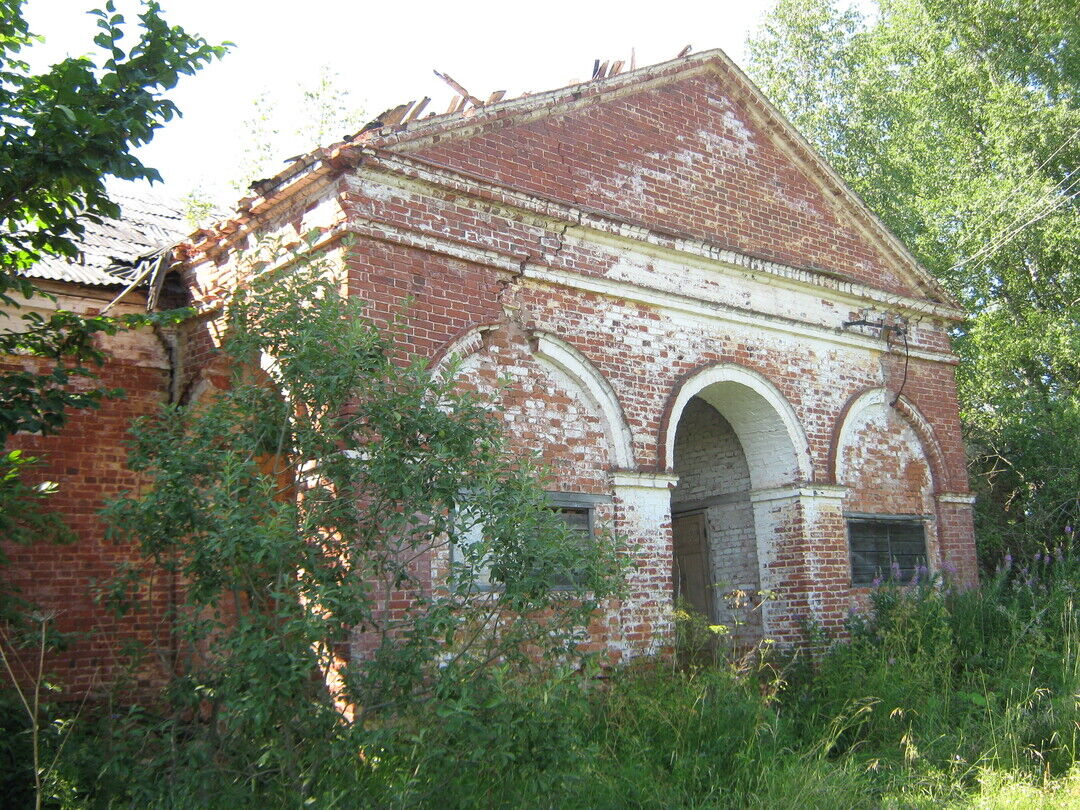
599	228
641	480
621	290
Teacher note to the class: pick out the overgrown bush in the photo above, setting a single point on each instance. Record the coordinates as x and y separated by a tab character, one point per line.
938	697
334	495
291	505
938	687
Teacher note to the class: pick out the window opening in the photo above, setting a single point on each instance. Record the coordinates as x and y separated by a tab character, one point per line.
884	547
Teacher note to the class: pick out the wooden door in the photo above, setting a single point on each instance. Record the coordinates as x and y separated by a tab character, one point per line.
693	579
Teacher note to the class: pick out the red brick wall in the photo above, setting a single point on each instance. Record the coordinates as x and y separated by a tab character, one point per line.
684	157
88	461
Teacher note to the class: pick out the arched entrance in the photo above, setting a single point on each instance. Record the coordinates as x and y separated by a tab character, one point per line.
733	442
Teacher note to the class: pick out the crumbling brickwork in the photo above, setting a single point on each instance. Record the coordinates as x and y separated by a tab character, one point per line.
88	462
627	252
674	284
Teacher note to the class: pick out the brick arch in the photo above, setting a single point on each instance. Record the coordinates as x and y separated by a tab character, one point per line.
468	341
772	437
932	452
559	358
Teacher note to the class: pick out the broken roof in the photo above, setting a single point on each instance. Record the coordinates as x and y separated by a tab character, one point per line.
402	130
112	252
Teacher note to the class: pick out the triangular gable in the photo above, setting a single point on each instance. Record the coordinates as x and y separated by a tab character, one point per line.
689	146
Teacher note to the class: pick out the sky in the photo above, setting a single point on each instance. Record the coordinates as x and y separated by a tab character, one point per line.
385	54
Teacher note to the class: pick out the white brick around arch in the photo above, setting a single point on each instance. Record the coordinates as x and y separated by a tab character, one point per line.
561	357
773	439
574	370
924	431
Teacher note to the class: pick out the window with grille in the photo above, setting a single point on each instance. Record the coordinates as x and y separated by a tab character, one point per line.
580	519
884	548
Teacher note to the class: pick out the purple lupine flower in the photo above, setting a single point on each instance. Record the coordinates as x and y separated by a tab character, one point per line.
876	582
894	570
1038	557
1008	559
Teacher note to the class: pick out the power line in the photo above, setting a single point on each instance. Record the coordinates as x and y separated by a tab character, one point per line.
1000	241
1027	176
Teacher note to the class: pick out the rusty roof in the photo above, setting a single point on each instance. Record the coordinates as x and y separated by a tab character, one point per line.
110	252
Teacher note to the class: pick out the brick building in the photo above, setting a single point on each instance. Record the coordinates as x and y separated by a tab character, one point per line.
123	267
715	346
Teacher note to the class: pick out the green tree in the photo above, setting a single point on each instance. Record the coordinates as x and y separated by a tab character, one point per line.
325	113
959	123
319	113
63	132
308	503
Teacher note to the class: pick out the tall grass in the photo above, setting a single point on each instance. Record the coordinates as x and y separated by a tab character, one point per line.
935	697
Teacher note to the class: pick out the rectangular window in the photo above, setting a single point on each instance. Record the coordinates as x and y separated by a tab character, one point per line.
877	542
580	519
576	509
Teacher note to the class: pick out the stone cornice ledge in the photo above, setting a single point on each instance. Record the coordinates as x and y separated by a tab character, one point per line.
829	492
646	480
587	219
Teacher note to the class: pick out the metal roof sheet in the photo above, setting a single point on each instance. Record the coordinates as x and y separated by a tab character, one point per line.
109	251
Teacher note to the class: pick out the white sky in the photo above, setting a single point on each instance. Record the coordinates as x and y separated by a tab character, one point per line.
386	51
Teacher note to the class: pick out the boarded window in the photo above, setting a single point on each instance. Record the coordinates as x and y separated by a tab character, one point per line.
885	548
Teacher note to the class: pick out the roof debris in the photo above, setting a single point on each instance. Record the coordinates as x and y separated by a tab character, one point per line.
113	252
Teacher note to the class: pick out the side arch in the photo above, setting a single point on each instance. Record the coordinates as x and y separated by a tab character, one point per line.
771	434
467	342
568	365
559	356
935	459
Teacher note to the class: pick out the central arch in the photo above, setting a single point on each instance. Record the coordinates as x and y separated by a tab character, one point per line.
733	441
771	435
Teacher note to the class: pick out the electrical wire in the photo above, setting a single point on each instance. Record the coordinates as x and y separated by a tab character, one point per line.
1009	232
1031	173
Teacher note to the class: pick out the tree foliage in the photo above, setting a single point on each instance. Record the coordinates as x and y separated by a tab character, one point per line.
63	132
959	123
334	497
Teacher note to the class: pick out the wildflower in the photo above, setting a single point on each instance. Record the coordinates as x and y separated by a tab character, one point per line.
876	582
1008	559
894	570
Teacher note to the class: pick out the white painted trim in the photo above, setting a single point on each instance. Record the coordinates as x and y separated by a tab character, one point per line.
553	352
716	312
728	373
469	343
960	498
918	423
667	303
635	480
823	492
603	229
